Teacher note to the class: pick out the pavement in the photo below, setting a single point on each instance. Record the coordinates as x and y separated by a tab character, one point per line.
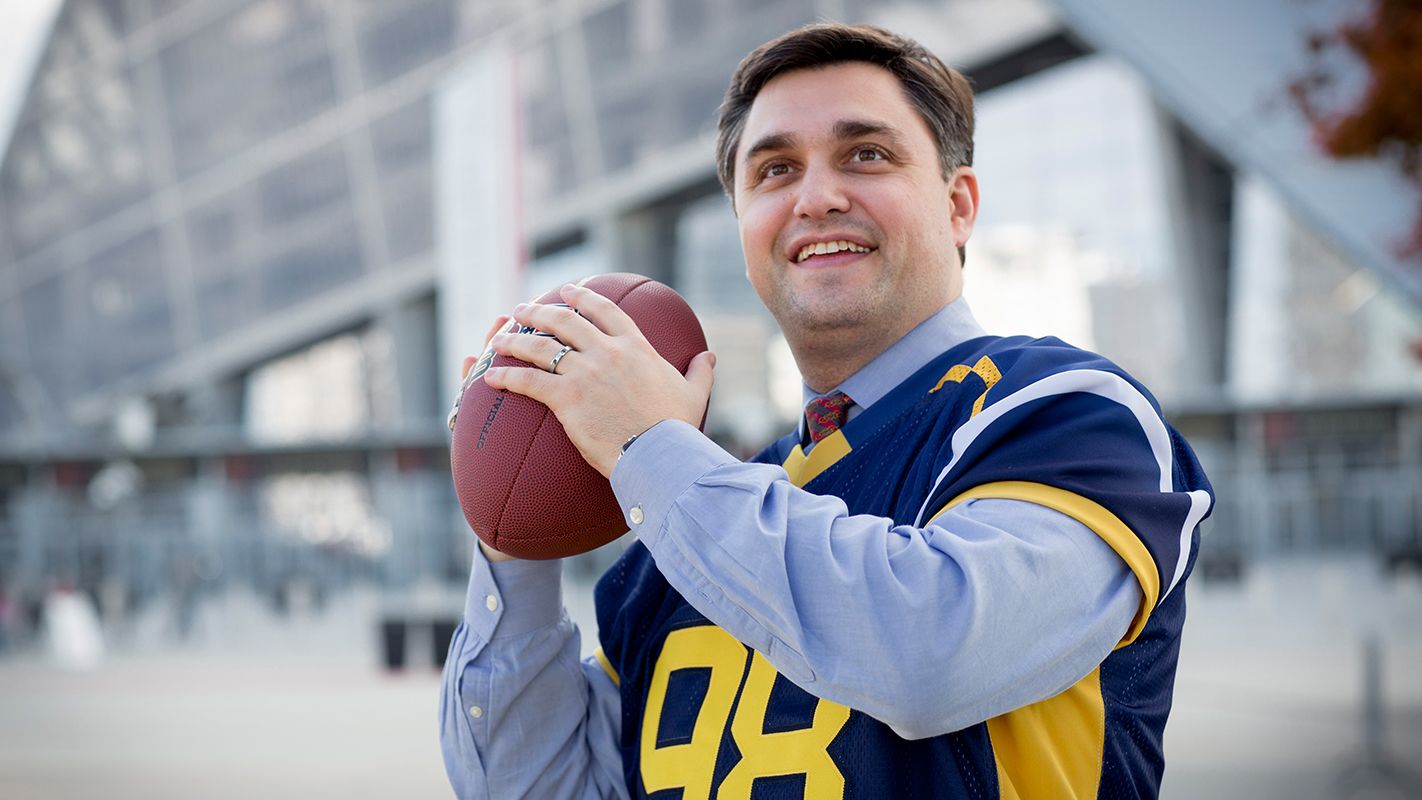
272	708
1268	704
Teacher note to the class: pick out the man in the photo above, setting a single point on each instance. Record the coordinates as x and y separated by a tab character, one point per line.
961	577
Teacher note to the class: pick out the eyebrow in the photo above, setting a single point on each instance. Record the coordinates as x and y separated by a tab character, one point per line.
767	143
857	128
844	129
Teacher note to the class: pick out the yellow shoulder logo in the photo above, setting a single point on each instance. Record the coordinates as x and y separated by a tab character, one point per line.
984	369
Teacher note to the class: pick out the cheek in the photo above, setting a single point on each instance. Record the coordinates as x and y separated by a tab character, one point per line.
760	224
753	253
929	216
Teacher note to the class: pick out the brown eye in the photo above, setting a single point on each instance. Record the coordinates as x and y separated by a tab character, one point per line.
868	154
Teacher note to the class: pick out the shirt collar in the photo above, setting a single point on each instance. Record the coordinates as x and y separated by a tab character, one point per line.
949	327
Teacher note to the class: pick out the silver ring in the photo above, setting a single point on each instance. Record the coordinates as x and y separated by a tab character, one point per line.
553	365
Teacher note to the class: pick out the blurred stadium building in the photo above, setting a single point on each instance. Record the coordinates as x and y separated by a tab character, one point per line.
245	243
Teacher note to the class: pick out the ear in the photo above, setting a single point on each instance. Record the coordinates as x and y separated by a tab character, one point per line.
963	195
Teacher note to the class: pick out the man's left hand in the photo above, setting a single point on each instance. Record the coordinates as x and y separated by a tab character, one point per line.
611	386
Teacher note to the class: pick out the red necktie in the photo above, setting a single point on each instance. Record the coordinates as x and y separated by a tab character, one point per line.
825	415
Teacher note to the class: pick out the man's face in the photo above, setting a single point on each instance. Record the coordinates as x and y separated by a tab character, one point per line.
838	155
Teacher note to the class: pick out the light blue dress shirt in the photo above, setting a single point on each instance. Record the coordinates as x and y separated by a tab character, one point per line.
1026	600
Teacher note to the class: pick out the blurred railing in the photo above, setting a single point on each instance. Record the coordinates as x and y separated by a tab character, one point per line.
1265	513
293	538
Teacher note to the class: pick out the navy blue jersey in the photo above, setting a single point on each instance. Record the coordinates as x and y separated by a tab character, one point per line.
1028	419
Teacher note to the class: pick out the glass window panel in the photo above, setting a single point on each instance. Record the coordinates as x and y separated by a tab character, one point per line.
549	170
624	127
10	416
7	255
319	392
543	109
409	217
687	20
74	161
398	37
51	334
86	29
607	36
303	188
329	258
710	270
214	232
226	302
401	140
14	363
693	106
162	8
478	19
548	165
245	77
752	22
128	318
223	237
120	16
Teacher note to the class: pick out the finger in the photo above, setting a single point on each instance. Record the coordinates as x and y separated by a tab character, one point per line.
534	383
499	323
562	322
469	362
700	373
536	350
605	314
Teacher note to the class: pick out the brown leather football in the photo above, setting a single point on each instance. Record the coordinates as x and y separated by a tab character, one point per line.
523	486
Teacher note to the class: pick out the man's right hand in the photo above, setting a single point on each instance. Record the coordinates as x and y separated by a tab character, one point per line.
469	361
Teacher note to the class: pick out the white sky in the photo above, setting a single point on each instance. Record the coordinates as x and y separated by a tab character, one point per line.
23	24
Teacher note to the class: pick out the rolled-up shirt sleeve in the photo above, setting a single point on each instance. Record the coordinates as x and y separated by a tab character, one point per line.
520	714
993	606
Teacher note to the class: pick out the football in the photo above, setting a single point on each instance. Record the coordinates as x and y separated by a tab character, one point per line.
523	486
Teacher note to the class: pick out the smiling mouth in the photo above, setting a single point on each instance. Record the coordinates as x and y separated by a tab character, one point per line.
829	248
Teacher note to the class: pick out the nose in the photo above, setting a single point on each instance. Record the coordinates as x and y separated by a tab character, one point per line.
821	192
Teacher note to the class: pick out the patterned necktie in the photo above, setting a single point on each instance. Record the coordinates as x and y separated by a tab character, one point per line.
825	415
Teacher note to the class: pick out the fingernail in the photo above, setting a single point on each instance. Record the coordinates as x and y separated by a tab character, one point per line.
713	361
519	309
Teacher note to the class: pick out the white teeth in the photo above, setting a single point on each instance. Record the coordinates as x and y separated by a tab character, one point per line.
826	248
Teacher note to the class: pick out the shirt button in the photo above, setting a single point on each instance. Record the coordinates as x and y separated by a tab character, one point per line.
636	515
476	712
492	603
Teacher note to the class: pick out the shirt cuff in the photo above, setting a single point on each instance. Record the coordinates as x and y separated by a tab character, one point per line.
662	464
512	598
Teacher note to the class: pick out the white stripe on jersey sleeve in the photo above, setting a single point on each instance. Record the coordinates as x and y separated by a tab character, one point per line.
1103	384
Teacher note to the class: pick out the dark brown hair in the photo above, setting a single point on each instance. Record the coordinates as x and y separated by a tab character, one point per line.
940	94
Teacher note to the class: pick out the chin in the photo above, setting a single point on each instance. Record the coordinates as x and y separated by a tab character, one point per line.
821	322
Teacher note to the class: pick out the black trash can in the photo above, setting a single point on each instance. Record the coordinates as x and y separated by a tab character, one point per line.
392	643
442	632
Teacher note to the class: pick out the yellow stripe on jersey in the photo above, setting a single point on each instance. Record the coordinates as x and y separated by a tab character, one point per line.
1053	748
1094	516
607	667
802	468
